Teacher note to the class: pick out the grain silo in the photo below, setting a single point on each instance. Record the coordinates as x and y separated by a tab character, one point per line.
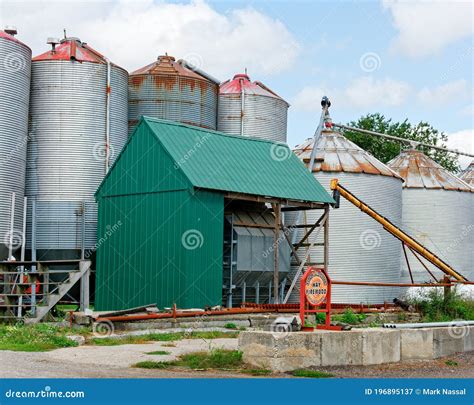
15	74
251	109
359	248
438	211
78	125
468	174
173	91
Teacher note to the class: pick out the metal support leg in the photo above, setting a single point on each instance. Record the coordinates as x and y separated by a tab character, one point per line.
84	300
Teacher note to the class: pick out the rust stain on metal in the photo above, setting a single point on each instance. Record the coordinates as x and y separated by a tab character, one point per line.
468	175
420	171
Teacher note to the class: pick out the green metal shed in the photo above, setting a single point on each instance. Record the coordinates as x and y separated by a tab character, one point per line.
162	204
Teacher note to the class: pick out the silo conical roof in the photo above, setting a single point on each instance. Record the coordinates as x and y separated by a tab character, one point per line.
72	49
167	65
420	171
241	82
336	153
468	174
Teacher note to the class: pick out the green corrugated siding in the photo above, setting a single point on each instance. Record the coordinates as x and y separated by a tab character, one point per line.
144	167
210	160
245	165
144	261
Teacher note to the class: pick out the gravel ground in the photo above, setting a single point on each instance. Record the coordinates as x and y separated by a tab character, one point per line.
115	362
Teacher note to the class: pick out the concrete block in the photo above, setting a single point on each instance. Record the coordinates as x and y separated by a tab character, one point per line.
416	344
447	341
257	347
380	346
469	339
341	348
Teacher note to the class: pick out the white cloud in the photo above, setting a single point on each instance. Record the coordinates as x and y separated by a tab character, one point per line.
133	33
444	94
462	141
426	27
468	110
363	92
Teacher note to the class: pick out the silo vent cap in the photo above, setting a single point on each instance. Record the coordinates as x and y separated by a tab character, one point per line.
241	76
11	30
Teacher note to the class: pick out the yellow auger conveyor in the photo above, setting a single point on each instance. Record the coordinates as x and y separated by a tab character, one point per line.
395	231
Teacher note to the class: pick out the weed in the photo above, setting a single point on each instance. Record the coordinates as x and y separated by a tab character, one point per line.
159	353
311	374
33	338
350	317
451	363
154	364
436	307
217	359
230	325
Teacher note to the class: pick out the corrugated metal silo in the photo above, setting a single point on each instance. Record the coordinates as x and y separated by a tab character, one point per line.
251	109
78	125
170	90
15	74
438	211
359	248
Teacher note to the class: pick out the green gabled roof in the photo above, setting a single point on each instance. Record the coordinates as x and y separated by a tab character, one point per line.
217	161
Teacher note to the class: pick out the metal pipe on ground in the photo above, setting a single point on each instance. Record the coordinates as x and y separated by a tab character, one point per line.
451	324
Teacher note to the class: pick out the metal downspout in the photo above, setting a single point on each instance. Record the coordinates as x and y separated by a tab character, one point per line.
107	117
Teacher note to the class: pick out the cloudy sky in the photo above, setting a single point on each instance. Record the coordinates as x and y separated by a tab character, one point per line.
405	59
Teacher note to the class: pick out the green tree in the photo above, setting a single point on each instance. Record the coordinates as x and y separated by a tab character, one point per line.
385	150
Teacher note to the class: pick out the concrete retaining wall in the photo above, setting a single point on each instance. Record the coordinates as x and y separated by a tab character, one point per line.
290	351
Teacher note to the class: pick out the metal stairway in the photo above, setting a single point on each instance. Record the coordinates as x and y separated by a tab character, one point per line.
21	279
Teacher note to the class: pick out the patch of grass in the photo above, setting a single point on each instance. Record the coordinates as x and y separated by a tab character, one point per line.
257	371
160	337
215	359
34	338
311	374
350	317
230	325
171	344
159	353
435	307
154	364
451	363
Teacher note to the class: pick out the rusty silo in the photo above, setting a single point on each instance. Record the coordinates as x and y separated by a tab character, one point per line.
78	125
251	109
171	90
438	211
359	248
15	75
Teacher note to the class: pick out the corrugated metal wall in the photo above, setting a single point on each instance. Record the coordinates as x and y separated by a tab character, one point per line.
263	117
359	248
15	73
66	145
160	248
443	221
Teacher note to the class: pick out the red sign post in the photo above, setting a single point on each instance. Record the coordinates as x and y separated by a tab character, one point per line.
315	297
